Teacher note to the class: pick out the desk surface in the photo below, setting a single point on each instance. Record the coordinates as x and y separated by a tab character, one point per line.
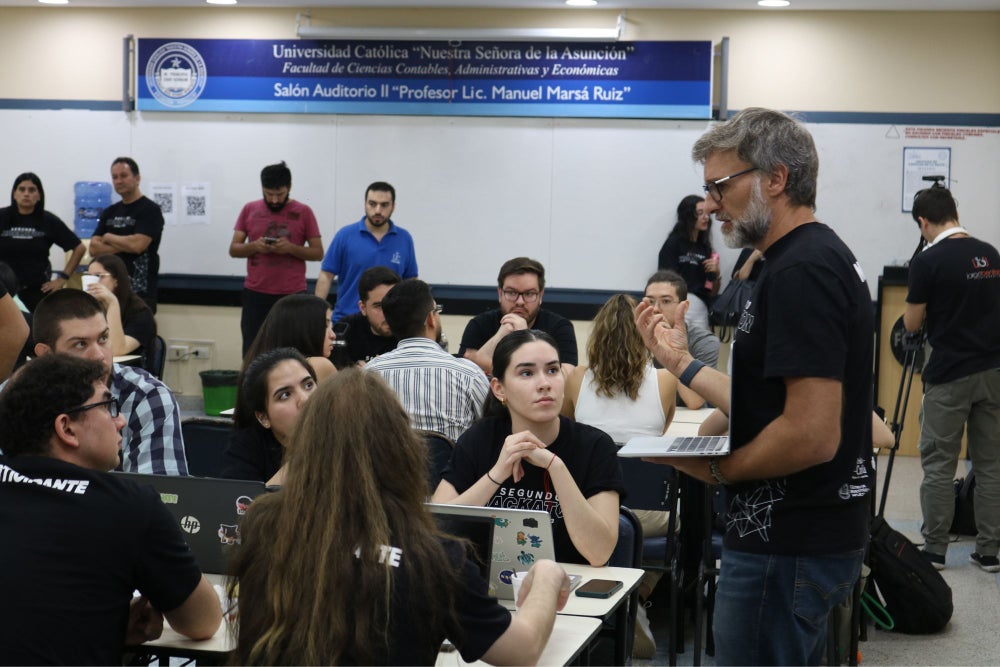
689	416
596	607
570	635
575	626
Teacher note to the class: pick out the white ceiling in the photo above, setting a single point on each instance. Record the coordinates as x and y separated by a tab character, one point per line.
847	5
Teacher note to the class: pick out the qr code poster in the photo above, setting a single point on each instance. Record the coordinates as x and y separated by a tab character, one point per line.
195	200
165	196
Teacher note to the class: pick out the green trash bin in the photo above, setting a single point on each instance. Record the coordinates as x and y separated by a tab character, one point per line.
219	390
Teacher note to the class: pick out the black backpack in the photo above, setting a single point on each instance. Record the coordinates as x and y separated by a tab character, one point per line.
964	522
914	594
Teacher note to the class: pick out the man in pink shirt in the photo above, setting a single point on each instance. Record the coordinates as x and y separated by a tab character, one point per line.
278	236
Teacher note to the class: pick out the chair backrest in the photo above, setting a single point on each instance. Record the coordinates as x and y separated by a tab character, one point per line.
650	486
205	442
628	550
156	358
439	449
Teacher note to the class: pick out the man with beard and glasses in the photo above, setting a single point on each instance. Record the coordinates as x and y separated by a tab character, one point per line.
374	240
799	478
131	229
277	235
520	289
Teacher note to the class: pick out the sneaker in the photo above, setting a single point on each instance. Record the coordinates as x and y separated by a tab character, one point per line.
987	563
937	560
643	646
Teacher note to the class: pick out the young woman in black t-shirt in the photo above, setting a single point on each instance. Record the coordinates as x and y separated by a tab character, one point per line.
524	455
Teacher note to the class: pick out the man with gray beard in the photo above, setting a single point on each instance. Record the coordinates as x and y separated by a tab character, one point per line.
799	478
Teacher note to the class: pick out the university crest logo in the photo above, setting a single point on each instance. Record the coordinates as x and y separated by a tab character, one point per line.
176	74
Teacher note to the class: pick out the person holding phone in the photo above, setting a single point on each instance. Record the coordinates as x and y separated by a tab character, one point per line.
277	235
525	455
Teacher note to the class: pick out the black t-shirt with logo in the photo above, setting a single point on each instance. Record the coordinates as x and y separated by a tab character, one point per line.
142	216
590	456
959	280
25	241
76	544
810	316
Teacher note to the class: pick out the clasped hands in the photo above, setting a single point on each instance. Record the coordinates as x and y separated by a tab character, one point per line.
517	448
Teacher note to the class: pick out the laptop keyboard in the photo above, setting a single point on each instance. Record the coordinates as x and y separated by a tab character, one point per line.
700	444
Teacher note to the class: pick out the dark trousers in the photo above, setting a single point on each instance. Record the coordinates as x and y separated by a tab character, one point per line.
256	306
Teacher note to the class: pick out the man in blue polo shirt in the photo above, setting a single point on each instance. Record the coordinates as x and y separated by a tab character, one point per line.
375	240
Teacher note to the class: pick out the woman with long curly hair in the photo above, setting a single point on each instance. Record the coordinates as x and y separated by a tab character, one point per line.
619	391
345	564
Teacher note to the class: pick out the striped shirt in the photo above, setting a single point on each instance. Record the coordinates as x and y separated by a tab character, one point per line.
440	392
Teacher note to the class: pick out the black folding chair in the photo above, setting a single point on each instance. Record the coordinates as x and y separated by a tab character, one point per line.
651	486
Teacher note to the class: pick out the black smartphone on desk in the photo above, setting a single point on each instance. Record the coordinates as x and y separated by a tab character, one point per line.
599	588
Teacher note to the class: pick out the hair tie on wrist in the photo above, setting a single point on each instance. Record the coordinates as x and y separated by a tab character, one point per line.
493	480
550	463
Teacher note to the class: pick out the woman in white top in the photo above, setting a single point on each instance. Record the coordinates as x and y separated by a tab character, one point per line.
623	395
619	391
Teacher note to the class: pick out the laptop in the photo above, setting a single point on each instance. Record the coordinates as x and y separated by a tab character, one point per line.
208	511
520	537
670	445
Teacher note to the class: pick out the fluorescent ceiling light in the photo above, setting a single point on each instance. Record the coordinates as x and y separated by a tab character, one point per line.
221	2
54	2
581	3
773	3
470	34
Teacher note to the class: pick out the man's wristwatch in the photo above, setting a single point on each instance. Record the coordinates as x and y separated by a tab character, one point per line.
713	469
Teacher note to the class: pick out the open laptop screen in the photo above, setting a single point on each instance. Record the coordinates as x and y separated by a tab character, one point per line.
478	530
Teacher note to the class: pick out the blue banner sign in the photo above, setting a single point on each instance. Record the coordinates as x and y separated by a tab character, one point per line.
570	79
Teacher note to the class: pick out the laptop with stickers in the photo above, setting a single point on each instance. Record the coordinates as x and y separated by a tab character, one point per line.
208	511
520	537
666	445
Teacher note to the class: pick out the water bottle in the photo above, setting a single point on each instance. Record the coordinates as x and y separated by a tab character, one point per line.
90	200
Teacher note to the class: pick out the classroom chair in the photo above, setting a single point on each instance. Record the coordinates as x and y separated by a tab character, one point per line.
205	442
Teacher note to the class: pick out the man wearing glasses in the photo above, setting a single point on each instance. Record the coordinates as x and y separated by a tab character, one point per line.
73	322
521	286
439	392
665	290
80	541
799	478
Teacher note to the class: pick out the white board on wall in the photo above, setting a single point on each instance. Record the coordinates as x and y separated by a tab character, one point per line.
592	199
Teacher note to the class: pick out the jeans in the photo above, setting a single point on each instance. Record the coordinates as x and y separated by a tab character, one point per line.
773	610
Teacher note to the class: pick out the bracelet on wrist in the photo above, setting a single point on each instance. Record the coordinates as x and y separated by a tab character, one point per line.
713	470
688	375
490	477
550	462
61	274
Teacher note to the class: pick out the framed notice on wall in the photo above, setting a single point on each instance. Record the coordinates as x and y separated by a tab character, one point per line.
557	79
919	164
